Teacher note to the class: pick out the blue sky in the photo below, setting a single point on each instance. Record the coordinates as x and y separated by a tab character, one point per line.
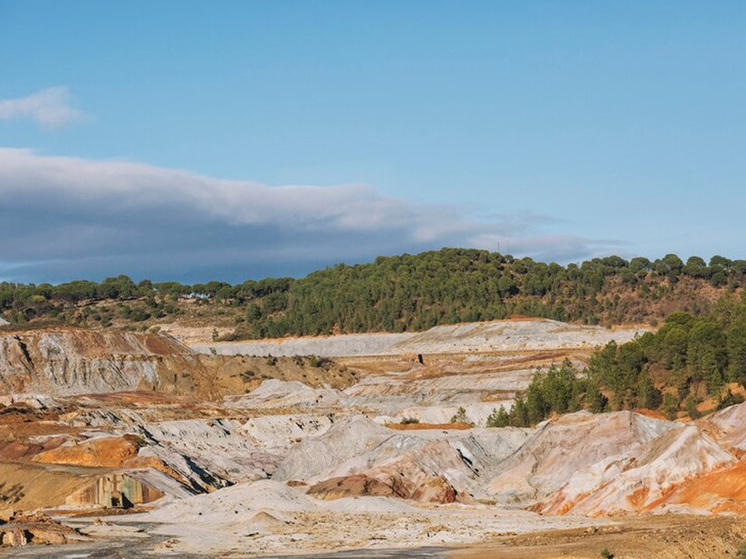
200	140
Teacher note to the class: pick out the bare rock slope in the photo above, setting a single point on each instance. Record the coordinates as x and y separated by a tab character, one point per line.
73	361
500	335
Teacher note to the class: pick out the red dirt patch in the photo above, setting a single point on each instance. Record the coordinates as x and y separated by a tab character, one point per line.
719	491
638	497
434	490
650	413
420	426
15	450
136	397
108	452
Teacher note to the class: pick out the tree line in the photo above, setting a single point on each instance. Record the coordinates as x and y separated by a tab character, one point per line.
410	293
689	359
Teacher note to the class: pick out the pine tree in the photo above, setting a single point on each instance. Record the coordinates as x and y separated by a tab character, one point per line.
519	413
736	343
498	418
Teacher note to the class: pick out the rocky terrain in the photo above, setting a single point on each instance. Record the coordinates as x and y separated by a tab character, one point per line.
476	337
110	437
70	361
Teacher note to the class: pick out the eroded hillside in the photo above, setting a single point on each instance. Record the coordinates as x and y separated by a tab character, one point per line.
67	361
241	456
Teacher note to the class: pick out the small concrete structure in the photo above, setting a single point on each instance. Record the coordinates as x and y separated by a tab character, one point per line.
115	491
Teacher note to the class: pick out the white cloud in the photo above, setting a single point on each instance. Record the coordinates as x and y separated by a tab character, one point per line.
65	217
48	107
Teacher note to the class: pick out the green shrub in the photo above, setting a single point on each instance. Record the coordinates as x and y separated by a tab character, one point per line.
729	399
461	417
670	406
691	407
498	418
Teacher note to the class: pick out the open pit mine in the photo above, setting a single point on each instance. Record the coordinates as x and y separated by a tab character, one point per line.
134	444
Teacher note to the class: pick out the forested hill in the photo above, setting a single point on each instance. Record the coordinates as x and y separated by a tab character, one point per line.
408	292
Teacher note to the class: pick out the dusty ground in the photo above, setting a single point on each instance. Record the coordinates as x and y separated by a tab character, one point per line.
664	537
667	536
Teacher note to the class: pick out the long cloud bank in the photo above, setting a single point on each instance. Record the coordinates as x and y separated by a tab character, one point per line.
64	218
